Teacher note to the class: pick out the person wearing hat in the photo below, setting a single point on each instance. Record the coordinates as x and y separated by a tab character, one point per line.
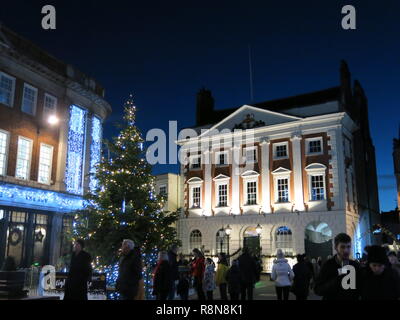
80	271
379	281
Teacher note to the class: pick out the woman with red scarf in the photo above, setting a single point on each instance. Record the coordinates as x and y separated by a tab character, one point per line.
197	269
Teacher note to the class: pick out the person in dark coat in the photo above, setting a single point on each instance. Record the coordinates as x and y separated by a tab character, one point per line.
162	277
130	271
302	277
248	274
380	281
233	279
80	272
173	262
182	288
329	281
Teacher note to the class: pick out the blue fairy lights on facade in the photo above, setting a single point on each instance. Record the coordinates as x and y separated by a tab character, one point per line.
76	148
95	151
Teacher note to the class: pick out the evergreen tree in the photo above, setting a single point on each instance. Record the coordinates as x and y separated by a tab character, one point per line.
124	204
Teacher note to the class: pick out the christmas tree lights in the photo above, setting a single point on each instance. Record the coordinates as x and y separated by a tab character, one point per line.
125	205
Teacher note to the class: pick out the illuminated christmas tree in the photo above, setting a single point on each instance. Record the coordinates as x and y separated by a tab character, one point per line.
124	204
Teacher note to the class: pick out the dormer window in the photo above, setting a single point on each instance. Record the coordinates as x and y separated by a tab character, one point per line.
281	150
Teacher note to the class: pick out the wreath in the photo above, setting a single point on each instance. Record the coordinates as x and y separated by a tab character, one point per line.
15	232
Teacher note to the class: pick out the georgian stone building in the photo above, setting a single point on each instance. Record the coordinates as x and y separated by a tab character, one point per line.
51	118
302	171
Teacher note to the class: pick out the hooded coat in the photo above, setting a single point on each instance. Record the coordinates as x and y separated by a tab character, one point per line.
209	278
282	273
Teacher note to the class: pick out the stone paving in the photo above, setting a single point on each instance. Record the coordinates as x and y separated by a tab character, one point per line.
264	290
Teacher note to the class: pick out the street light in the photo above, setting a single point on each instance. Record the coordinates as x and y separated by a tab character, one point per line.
53	119
259	230
221	235
228	231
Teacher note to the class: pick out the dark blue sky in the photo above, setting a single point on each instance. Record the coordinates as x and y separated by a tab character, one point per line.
164	52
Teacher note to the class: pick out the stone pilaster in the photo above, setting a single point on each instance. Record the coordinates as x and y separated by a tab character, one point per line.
265	176
297	172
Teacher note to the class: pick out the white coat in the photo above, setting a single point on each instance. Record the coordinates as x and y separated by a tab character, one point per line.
282	273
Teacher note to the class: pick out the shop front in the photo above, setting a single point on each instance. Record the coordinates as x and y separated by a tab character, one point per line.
32	224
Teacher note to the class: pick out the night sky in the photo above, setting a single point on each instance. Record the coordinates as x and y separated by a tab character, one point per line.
164	52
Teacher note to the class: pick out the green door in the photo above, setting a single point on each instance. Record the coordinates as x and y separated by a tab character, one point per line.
252	244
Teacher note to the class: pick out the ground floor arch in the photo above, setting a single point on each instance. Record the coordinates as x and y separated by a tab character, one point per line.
318	240
251	240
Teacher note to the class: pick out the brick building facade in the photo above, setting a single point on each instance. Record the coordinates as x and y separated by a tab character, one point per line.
51	118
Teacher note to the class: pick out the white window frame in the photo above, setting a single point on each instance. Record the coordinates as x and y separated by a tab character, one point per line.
163	186
281	173
217	158
221	180
26	85
252	148
191	158
316	169
308	140
13	88
310	185
46	113
250	176
30	158
51	162
195	183
192	206
281	177
4	173
275	145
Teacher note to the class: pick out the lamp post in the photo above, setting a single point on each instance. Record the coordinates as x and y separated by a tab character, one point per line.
228	231
221	236
259	230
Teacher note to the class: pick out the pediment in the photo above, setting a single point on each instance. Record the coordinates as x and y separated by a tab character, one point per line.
248	117
281	170
221	177
250	173
315	167
194	180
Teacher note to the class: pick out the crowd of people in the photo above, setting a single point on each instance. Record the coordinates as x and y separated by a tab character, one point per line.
376	275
